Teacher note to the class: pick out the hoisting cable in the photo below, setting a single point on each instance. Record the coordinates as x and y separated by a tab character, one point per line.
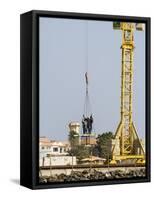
87	120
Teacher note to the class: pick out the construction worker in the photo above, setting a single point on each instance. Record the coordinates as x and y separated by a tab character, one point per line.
88	124
91	122
84	125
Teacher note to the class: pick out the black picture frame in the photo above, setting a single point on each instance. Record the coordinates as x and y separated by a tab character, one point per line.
29	96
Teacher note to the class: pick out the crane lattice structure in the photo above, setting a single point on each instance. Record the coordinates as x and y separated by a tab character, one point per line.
127	144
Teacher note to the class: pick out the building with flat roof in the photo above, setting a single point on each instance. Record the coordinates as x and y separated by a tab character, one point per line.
54	153
48	146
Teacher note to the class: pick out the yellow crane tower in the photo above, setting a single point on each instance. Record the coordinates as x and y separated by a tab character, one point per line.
126	144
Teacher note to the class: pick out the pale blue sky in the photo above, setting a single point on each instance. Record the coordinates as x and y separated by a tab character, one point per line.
63	63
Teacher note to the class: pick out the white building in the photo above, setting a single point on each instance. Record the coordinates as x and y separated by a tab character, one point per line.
54	153
74	126
52	147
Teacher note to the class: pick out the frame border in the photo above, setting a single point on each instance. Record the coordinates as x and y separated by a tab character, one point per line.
29	98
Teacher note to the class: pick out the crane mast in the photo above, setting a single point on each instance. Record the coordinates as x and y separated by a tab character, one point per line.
126	87
126	143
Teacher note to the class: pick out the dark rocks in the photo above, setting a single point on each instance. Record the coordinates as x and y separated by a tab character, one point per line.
94	174
43	180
